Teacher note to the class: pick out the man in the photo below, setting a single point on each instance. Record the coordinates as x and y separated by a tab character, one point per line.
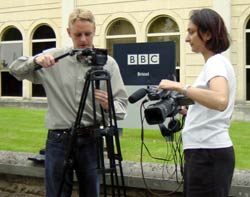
63	81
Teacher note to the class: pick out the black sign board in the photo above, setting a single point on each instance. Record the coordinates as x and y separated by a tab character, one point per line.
145	63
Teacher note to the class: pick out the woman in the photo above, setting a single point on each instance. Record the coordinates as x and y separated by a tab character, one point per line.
208	149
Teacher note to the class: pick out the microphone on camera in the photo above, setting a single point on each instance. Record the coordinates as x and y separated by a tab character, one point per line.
137	95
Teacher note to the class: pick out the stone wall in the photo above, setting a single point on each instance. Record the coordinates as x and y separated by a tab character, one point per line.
241	111
21	177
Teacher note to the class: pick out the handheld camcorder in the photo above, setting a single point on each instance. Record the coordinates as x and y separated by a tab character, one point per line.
93	56
169	103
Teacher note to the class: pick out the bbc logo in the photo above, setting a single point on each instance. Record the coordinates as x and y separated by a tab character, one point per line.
143	59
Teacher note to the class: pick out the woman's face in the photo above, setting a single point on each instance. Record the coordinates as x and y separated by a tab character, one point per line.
197	44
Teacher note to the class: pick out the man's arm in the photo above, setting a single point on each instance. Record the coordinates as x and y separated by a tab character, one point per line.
119	91
23	68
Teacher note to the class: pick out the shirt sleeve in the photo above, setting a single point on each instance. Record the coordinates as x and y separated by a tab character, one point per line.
118	89
24	68
215	67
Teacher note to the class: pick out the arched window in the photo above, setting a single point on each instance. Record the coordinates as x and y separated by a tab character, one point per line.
163	29
43	38
248	60
11	47
121	31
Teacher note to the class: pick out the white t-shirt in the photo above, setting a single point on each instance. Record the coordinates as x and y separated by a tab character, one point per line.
204	127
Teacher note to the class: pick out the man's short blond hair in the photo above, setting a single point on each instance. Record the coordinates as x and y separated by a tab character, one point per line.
81	15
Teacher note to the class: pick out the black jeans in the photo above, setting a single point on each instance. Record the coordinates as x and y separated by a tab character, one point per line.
208	172
85	166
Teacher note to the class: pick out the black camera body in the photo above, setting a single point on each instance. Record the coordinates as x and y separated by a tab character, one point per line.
169	105
93	56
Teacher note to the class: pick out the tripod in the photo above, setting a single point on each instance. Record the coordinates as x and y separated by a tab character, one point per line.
108	132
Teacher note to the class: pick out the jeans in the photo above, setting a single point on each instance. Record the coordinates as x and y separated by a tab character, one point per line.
85	166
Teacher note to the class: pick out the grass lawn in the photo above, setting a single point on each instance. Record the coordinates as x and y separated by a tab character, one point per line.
23	130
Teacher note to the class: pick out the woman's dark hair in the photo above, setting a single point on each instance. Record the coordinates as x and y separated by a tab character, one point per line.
208	20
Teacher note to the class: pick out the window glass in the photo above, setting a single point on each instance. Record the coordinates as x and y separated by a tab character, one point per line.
44	32
120	32
164	29
43	38
10	85
38	47
248	48
248	24
163	25
248	60
11	47
248	84
11	34
121	27
9	52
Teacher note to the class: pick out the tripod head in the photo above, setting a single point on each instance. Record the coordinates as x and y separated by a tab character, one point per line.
94	57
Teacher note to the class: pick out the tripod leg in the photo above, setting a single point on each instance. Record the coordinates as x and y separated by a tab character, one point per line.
110	155
109	132
119	158
115	143
101	163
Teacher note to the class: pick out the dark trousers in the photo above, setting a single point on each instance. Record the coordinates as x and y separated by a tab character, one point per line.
208	172
85	166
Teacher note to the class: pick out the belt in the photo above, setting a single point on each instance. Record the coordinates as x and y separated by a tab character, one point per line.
82	131
86	131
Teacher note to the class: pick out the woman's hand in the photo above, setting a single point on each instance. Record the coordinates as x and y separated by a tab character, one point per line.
171	85
183	110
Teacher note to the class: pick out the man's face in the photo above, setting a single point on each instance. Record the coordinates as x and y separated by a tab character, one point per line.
82	34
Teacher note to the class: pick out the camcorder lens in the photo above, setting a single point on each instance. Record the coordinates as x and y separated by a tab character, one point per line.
158	112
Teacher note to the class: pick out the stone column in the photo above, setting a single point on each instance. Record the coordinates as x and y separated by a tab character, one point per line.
223	7
67	7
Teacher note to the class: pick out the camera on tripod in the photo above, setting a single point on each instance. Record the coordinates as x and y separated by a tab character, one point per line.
169	103
93	56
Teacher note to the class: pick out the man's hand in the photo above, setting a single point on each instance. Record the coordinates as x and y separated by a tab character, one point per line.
102	98
46	60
